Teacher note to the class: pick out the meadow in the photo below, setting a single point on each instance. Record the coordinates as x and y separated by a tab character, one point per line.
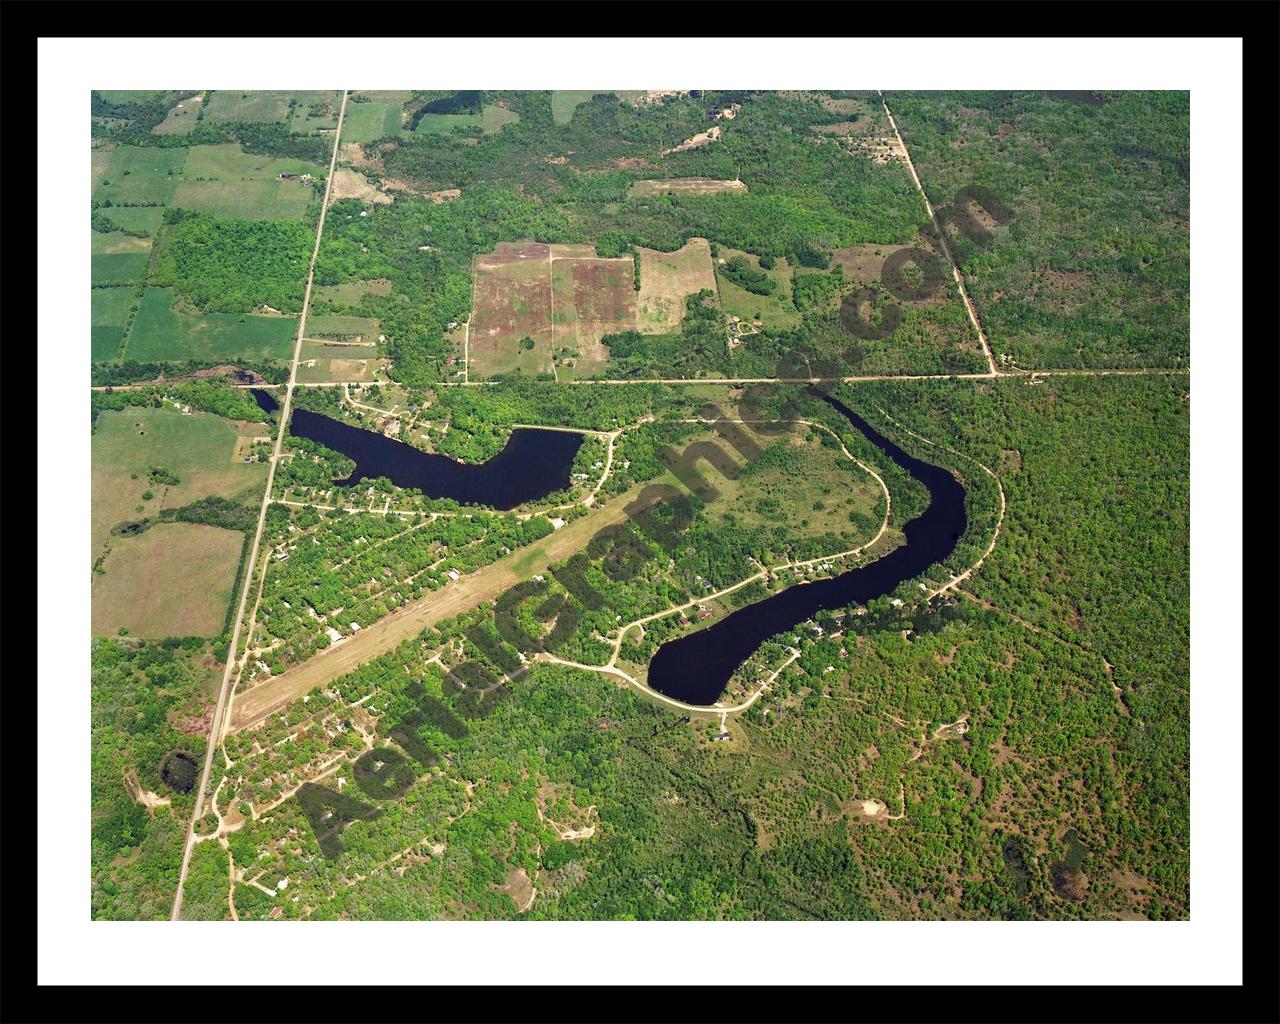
160	333
173	580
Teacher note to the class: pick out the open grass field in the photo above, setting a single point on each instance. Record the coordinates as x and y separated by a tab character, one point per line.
666	278
776	310
99	161
182	118
512	301
321	364
174	580
590	297
565	101
119	268
138	218
316	111
160	333
368	122
110	312
234	105
351	292
813	490
246	200
684	187
229	162
111	243
199	449
343	328
491	119
138	174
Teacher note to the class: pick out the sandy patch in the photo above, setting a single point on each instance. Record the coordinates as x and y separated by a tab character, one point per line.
349	184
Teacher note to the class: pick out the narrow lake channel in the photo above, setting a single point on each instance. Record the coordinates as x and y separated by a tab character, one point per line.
697	667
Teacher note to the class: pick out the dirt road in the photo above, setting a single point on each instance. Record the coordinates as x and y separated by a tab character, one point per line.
384	635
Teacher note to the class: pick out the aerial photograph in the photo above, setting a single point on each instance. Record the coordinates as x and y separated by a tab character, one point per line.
636	505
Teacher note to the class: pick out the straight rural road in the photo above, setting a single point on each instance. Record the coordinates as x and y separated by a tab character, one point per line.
215	727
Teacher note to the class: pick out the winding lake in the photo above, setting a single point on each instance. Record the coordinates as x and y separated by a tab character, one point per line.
533	464
696	668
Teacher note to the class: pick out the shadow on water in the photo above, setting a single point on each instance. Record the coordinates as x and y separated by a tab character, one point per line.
696	668
265	399
533	464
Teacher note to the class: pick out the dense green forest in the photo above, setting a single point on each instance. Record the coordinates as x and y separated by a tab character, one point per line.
233	266
142	692
206	396
1095	268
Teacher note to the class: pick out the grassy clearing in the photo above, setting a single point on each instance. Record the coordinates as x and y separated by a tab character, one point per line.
776	310
490	119
119	268
182	118
318	366
174	580
232	105
351	292
246	200
812	488
565	101
316	111
160	333
228	161
138	174
343	327
199	449
368	122
666	279
684	187
110	243
138	218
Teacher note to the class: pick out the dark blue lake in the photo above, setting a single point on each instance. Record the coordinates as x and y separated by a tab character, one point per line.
265	399
533	464
696	668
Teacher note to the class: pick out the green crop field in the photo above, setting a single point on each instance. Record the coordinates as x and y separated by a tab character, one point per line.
565	101
160	333
120	268
229	162
246	200
137	218
490	119
199	449
367	122
110	312
139	176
